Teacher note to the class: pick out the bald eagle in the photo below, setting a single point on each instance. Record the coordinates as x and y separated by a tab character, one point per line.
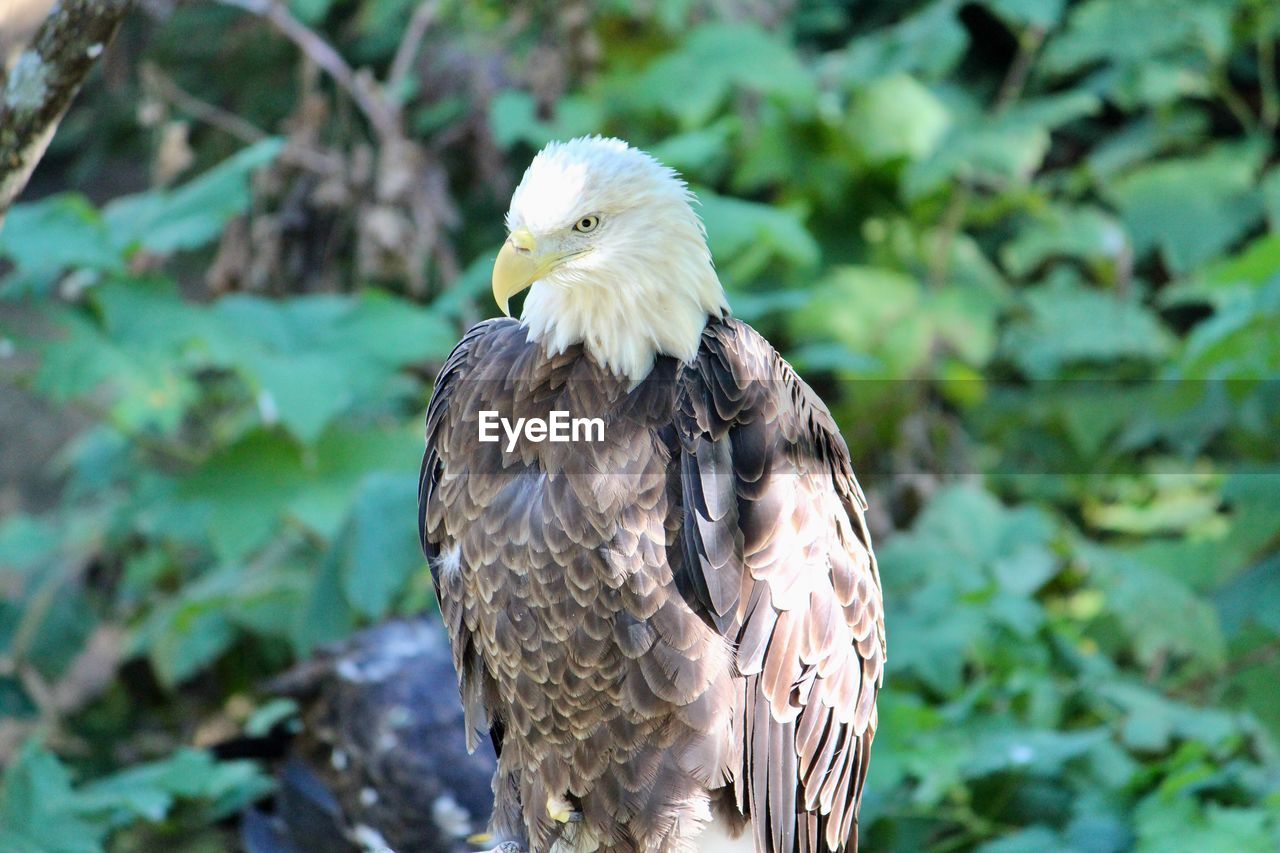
673	632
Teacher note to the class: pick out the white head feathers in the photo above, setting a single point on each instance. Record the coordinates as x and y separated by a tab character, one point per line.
637	279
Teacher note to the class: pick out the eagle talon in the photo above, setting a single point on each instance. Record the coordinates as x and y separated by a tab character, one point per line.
504	847
561	811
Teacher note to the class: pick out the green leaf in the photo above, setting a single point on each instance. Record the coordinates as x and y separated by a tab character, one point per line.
1031	751
1237	344
186	637
194	628
37	807
1086	233
167	221
1251	597
927	44
327	616
896	117
1252	494
872	312
695	150
1041	14
1251	685
306	361
26	542
57	233
304	390
311	11
41	811
944	578
513	118
1160	614
832	356
693	81
746	236
889	317
1067	323
186	774
1026	569
245	491
1032	839
1147	137
1232	279
341	459
1132	32
964	321
1180	825
1150	722
313	358
916	743
271	714
245	488
383	549
15	703
391	330
1271	197
470	295
1191	209
134	358
1000	151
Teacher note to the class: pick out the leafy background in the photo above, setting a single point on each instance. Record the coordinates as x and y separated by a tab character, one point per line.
1028	250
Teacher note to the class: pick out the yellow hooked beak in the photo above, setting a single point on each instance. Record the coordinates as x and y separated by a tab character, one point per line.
518	266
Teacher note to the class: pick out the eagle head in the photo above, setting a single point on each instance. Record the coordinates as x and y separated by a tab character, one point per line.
614	254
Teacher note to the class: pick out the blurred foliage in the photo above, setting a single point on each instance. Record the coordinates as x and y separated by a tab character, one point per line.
1028	250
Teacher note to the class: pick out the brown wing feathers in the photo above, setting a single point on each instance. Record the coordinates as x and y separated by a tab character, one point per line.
779	558
765	541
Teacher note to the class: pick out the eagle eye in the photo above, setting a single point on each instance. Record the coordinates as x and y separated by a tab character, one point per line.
586	224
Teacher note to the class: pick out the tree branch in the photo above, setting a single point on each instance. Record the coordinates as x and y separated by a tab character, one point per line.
407	51
319	51
167	90
43	82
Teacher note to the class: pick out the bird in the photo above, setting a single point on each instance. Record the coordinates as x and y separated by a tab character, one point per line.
380	759
672	628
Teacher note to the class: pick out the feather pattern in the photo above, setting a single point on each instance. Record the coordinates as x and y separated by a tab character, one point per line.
811	621
685	616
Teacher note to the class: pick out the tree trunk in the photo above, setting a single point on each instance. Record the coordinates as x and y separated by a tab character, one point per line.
42	81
